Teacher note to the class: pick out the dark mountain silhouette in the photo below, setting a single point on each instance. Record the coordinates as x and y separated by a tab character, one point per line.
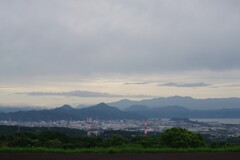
66	112
64	109
103	111
163	112
182	112
188	102
137	108
12	108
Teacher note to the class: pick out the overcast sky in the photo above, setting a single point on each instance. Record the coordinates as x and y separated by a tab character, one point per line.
105	50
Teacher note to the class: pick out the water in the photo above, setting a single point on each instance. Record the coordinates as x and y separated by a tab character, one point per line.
219	120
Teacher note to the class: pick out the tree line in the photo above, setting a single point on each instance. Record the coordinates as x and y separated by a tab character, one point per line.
171	138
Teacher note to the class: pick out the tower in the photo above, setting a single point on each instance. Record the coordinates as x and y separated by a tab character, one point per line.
145	127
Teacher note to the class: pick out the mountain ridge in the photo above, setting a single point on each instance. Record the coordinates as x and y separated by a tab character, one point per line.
188	102
66	112
157	108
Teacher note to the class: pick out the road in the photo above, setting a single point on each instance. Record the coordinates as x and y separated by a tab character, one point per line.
123	156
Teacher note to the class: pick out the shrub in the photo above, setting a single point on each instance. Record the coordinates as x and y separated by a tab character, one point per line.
118	140
181	138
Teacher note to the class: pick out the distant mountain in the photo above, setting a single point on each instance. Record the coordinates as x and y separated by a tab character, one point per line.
105	112
41	115
64	109
164	112
101	111
182	112
11	108
137	108
188	102
124	103
82	106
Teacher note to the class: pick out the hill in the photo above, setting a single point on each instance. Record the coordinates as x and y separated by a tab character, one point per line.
103	111
183	112
188	102
66	112
12	108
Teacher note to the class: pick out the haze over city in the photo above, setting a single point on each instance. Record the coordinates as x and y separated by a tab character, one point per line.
86	52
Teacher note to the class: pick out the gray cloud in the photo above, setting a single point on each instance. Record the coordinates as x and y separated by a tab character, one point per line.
137	83
89	94
191	85
57	37
231	85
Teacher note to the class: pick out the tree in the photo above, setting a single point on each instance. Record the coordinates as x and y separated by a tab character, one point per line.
54	143
181	138
118	140
146	141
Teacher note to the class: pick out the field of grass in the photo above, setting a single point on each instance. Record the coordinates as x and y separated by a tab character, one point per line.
119	150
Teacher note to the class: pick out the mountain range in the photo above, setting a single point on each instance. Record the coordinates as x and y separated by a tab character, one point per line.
101	111
104	112
15	108
171	107
183	112
188	102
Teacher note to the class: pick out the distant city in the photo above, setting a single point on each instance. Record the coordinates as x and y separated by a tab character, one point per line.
94	127
146	116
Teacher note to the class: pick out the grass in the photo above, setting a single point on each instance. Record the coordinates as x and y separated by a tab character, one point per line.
119	150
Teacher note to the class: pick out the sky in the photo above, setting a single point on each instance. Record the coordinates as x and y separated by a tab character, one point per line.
54	52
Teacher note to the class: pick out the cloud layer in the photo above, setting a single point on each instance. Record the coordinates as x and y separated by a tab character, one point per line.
91	48
89	94
57	37
191	85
